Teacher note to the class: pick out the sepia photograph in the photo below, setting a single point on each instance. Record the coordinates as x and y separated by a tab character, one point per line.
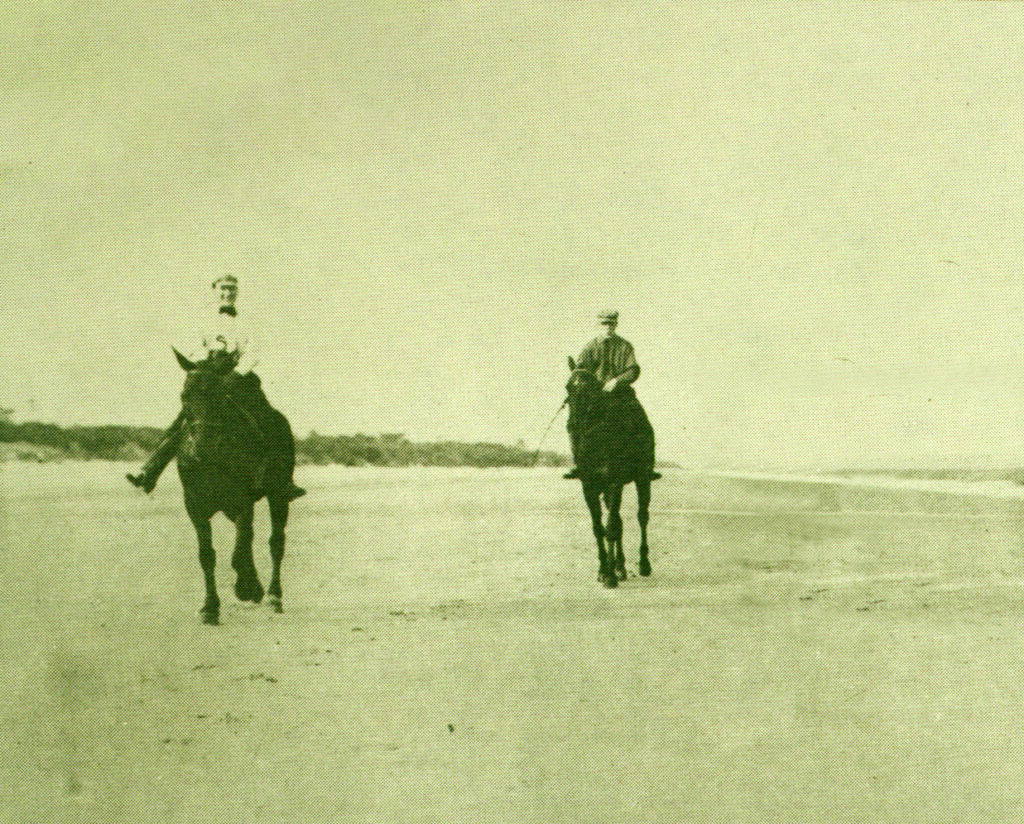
474	411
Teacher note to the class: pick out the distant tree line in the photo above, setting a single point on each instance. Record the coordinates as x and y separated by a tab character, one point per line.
392	449
102	442
128	443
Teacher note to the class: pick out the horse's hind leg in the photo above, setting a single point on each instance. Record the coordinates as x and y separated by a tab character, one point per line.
278	519
643	497
210	611
247	584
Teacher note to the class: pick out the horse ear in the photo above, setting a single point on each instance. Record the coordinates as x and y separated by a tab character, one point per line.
185	363
572	364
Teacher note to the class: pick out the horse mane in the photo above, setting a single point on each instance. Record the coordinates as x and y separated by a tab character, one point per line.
581	372
589	385
223	432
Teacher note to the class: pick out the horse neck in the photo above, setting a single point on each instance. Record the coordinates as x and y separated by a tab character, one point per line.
217	412
586	410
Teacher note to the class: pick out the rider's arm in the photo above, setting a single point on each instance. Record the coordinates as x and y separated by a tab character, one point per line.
242	344
630	375
248	356
629	370
625	379
193	345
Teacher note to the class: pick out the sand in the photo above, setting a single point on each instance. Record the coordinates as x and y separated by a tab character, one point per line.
804	651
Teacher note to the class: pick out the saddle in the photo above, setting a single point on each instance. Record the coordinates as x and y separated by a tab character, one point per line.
620	436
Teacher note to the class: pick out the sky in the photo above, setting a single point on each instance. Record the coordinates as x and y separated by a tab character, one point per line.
810	216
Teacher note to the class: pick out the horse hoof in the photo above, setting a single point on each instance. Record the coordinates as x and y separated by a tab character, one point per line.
610	581
248	590
210	611
645	567
275	604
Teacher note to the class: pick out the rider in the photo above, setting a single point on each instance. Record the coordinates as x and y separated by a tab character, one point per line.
612	360
224	338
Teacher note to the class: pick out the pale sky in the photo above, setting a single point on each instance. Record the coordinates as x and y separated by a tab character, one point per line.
810	216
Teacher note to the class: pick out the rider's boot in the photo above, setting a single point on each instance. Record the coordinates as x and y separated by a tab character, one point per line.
157	462
573	473
145	480
655	475
285	486
275	474
278	433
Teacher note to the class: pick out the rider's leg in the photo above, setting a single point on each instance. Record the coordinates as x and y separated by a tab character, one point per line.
631	409
155	464
281	447
649	443
273	429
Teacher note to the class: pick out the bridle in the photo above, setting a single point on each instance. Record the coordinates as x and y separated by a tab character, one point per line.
558	411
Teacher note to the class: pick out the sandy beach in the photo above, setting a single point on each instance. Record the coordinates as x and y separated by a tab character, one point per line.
805	651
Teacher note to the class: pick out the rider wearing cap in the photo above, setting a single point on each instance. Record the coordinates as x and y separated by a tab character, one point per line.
612	360
223	339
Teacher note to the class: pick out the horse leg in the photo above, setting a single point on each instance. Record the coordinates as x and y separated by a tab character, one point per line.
210	611
643	498
614	532
278	519
247	584
605	574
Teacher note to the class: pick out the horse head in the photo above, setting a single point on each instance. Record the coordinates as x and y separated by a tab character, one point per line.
583	393
203	395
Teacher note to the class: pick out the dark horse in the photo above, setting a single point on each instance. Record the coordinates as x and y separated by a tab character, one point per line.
614	446
225	466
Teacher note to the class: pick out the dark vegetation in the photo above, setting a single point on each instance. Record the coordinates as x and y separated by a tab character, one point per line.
47	441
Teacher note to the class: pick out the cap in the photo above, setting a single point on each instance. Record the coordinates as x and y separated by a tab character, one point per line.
228	279
608	316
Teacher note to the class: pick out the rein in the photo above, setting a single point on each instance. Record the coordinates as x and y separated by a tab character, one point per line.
558	411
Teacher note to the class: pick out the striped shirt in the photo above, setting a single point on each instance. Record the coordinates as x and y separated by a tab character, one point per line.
610	357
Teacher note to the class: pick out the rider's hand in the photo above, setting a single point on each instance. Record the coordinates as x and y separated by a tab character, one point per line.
610	384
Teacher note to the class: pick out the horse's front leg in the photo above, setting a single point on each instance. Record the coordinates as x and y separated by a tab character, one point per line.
247	584
613	533
605	572
210	611
278	519
643	496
